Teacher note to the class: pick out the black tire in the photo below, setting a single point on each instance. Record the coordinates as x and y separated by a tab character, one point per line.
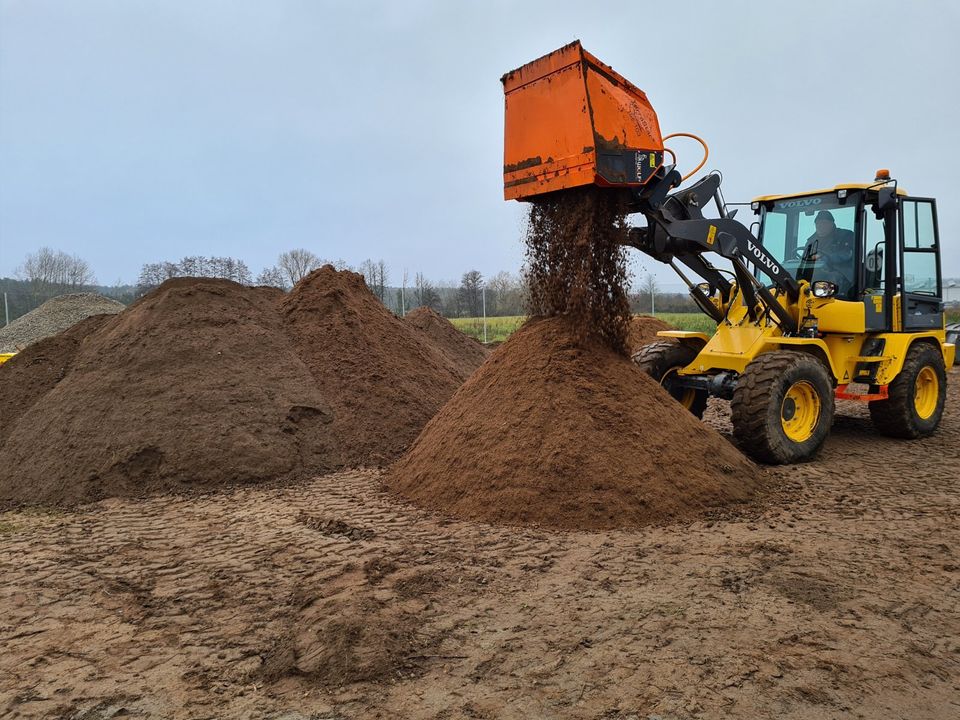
901	415
953	336
782	407
661	360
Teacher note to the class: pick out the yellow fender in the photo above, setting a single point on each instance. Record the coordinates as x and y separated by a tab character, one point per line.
842	357
701	338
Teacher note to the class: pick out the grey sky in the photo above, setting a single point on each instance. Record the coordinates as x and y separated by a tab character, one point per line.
133	131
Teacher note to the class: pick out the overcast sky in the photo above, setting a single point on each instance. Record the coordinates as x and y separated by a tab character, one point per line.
133	132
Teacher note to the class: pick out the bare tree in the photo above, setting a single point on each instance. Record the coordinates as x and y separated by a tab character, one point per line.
227	268
272	277
50	272
78	272
505	292
425	294
297	264
369	271
650	288
383	277
338	264
375	273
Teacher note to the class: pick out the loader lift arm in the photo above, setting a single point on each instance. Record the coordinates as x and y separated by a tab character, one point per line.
677	230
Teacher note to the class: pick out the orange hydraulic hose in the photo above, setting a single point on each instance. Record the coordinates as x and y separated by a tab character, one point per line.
706	151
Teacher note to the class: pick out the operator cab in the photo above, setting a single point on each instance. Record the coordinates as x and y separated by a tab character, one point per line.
838	239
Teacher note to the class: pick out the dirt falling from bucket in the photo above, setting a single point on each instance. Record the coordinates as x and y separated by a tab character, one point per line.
576	263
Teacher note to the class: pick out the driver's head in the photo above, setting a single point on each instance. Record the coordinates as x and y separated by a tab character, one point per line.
824	223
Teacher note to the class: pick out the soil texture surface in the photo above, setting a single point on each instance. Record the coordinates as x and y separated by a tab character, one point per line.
383	378
834	597
559	431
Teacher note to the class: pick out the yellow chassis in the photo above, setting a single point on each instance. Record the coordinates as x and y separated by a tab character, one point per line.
840	336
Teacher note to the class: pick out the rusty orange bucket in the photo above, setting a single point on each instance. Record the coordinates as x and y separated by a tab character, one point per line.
571	120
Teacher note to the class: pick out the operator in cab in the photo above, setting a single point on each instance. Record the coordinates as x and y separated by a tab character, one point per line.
830	249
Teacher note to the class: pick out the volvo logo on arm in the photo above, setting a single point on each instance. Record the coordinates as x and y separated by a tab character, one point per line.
760	257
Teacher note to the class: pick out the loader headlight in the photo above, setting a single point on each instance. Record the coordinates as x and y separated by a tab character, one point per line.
824	289
706	289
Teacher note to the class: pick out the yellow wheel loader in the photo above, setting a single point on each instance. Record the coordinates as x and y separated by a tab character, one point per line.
836	296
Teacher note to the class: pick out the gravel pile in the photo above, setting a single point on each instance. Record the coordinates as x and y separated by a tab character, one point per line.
54	316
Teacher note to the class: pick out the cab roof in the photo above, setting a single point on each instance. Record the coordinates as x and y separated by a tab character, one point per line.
846	186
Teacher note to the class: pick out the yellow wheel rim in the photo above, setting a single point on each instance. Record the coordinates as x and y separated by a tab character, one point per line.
684	396
927	392
800	411
688	397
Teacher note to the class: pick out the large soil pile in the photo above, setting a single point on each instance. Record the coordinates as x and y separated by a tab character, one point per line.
205	382
559	427
382	377
54	316
464	351
557	432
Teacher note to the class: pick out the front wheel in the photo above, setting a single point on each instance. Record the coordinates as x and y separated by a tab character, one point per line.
782	407
915	398
661	360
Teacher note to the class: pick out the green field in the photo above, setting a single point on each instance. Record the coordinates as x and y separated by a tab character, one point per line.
500	328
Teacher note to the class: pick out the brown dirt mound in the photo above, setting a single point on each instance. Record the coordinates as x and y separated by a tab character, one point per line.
382	379
464	351
644	329
33	372
205	382
557	432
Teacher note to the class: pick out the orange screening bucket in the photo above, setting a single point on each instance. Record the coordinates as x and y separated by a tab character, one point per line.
571	120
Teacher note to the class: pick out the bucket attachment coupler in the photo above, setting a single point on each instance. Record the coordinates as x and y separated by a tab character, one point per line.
571	120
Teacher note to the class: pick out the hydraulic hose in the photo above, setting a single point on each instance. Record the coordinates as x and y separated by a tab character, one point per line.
706	151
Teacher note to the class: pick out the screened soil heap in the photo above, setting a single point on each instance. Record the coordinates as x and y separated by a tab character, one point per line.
464	351
383	379
559	432
205	382
559	427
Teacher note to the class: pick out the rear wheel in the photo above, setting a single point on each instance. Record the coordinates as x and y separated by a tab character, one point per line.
782	407
661	360
915	400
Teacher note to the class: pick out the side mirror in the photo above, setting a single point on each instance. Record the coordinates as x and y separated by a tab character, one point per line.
886	200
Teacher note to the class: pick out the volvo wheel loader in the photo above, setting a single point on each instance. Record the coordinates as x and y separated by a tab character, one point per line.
837	293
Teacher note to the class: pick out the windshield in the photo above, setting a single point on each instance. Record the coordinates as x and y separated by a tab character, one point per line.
813	238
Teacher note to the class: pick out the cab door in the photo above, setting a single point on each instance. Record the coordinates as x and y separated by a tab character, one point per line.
873	280
921	298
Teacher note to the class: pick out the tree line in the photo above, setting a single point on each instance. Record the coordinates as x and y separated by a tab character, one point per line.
47	273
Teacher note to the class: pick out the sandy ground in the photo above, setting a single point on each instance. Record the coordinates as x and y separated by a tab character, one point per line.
838	596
